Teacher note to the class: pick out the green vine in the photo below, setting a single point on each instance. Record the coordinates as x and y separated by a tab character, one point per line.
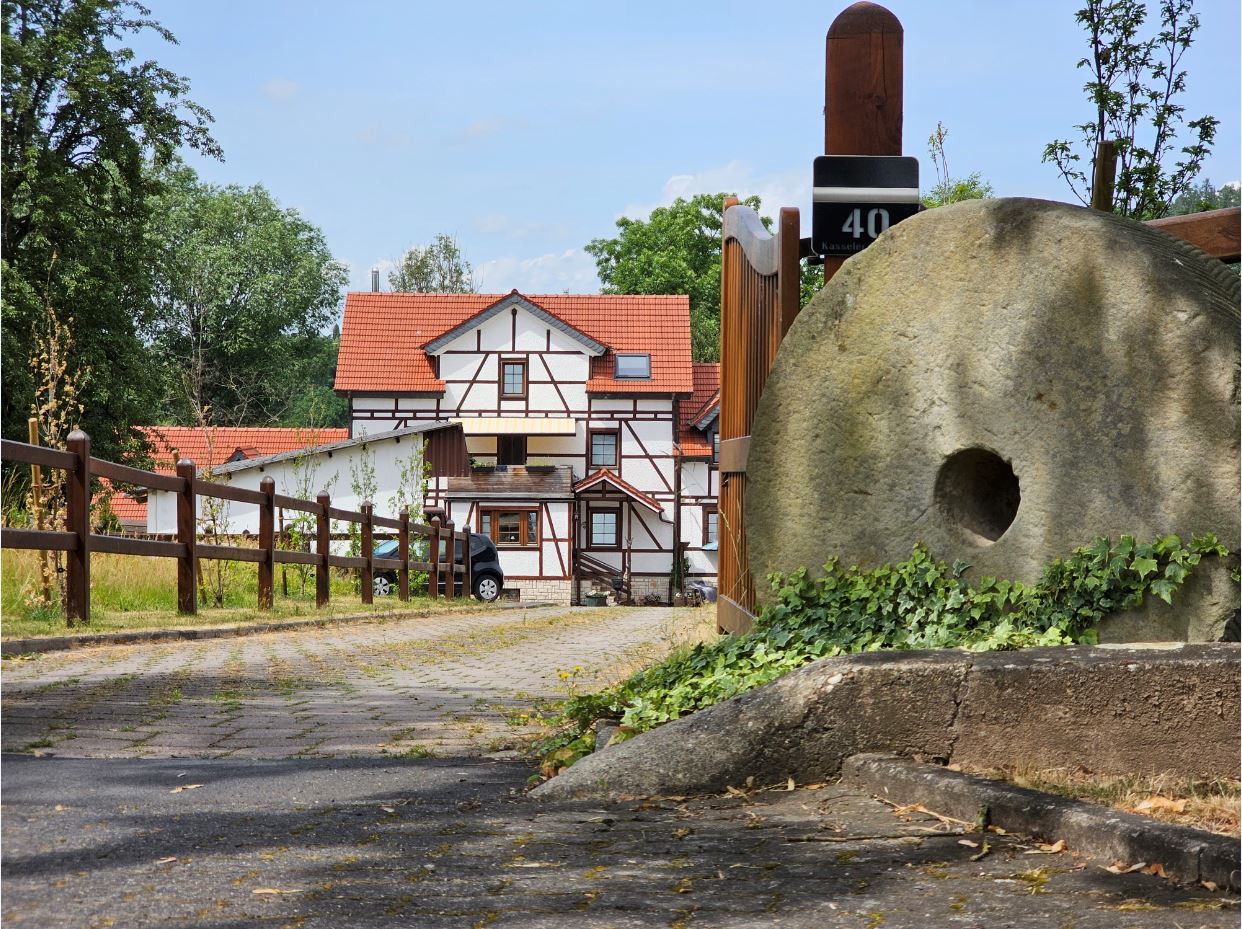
919	603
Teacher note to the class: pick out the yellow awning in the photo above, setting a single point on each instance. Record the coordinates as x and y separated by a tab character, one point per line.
517	425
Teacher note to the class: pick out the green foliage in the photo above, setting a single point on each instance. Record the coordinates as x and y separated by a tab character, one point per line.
438	268
1135	82
1206	196
949	189
676	250
919	603
81	121
240	291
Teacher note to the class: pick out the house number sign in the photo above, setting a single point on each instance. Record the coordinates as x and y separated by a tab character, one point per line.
857	197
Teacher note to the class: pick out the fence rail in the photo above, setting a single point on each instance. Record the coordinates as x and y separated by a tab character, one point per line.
78	542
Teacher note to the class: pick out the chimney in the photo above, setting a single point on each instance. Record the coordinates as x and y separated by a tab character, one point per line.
375	280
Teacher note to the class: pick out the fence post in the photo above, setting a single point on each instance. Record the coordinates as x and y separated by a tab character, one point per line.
467	579
403	544
451	552
78	521
187	535
323	543
368	570
267	541
433	578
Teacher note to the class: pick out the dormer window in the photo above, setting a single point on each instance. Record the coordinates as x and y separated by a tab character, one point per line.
633	366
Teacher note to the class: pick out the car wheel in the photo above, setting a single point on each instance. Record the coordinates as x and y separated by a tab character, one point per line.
381	586
487	588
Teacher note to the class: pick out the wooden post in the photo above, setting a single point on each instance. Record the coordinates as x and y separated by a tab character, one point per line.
78	521
36	499
403	545
323	543
267	541
368	570
467	579
433	578
863	75
450	584
1104	182
187	535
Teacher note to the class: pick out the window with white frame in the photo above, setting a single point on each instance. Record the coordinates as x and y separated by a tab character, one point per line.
633	366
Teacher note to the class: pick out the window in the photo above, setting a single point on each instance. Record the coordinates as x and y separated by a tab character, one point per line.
604	448
605	528
510	528
511	450
711	525
513	380
715	447
633	366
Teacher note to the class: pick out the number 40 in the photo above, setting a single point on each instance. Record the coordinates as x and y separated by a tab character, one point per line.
877	222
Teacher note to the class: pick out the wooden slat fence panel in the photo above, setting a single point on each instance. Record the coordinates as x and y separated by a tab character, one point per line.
759	291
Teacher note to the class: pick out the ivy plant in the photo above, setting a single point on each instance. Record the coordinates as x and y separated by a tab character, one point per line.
918	603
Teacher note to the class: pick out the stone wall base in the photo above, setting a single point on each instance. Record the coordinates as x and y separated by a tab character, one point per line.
545	590
640	587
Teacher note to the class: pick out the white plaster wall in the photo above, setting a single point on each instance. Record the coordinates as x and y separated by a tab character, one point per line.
388	457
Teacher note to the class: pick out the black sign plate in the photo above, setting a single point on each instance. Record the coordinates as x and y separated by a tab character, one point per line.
857	197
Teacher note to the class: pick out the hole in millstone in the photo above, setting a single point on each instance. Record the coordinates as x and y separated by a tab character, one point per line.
978	491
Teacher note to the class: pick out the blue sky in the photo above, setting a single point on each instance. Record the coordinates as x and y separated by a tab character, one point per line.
526	129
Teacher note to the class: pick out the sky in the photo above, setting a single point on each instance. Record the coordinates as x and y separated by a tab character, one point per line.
526	129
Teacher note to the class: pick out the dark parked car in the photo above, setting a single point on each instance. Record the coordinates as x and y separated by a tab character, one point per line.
488	579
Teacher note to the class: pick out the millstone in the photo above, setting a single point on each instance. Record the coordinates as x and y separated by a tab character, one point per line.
1003	380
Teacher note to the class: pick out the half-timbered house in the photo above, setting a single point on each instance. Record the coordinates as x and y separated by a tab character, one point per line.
590	431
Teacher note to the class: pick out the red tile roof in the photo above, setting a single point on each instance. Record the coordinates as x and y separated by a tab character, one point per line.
216	444
605	476
383	335
694	444
211	447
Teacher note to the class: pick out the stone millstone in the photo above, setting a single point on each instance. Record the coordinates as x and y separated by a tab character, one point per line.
1004	380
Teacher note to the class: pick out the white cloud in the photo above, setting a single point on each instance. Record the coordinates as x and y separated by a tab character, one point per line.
572	270
484	129
280	89
791	187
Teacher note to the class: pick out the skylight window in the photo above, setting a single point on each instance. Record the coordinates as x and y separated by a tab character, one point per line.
633	366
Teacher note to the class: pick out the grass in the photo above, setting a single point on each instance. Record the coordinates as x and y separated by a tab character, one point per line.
1211	804
129	593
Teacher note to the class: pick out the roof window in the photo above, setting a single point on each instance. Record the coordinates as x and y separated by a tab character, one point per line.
633	366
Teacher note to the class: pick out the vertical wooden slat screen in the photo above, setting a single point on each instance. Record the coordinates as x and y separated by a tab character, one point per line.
759	292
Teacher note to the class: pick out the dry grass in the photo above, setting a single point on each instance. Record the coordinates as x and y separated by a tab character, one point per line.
129	592
1211	804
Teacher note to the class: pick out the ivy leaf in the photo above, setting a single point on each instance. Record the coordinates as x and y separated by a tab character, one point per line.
1144	567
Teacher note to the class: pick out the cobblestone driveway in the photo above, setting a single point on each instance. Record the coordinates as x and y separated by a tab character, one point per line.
451	685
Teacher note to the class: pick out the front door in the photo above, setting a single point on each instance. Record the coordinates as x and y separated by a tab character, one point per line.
511	450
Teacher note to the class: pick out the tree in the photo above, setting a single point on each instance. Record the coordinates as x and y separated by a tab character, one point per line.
676	250
1206	196
241	290
438	268
949	189
1134	86
81	120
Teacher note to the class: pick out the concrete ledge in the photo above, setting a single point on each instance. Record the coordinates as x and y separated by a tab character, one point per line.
60	643
1096	832
1114	709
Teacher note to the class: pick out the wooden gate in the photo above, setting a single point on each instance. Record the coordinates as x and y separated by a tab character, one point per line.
759	291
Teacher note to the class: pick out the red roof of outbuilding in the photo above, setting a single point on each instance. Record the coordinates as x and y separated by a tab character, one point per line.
213	446
694	444
383	335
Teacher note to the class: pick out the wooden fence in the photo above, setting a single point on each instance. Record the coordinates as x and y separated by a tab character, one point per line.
78	542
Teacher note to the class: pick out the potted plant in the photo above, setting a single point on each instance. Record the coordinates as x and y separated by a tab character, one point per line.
539	464
483	463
